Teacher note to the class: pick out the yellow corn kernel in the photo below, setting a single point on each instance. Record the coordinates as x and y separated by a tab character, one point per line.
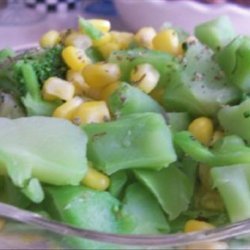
75	58
67	109
101	74
144	37
2	223
50	39
104	39
94	93
145	77
202	129
108	90
123	39
167	41
216	136
77	79
91	112
96	180
101	24
78	40
108	48
55	88
196	225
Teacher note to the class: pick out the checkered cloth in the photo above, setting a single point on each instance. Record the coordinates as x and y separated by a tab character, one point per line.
52	5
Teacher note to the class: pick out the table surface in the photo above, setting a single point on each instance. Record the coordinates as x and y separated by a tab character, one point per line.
17	36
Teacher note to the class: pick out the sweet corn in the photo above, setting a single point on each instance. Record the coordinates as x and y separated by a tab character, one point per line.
55	88
167	41
196	225
67	109
78	40
145	77
144	37
95	179
75	58
50	39
108	48
91	112
94	93
101	74
101	24
2	223
108	90
77	79
202	129
104	39
123	39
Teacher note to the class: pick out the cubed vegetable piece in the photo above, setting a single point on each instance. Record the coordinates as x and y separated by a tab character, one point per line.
138	140
118	180
171	187
178	120
199	90
49	149
145	211
127	60
127	99
85	208
215	33
236	119
233	185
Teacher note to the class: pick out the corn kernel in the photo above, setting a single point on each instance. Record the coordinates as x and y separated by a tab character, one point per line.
78	40
108	90
202	129
94	93
101	74
104	39
144	37
101	24
50	39
55	88
123	39
108	48
91	112
2	223
145	77
67	109
96	180
75	58
167	41
77	79
196	225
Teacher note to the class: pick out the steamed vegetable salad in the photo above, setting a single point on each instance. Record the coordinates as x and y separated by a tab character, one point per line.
142	133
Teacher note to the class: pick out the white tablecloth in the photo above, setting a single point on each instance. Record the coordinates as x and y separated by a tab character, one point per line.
15	36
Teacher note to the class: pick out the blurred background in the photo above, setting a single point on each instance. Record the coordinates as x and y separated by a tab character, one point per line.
23	22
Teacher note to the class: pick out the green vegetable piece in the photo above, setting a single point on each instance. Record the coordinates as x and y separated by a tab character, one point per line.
199	90
128	59
33	101
49	149
233	186
94	55
215	33
145	211
236	119
228	151
85	208
170	186
118	181
6	53
178	120
127	99
34	191
137	140
89	29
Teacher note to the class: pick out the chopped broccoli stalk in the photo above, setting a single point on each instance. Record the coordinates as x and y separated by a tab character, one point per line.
118	181
88	28
233	186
